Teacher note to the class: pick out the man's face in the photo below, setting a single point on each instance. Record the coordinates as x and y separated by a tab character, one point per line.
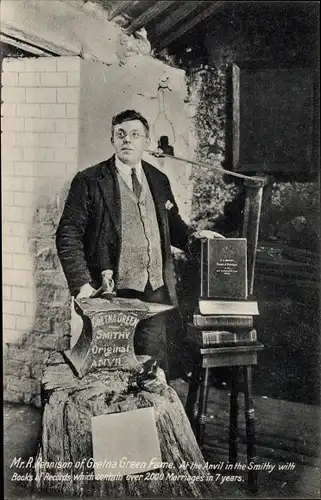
130	140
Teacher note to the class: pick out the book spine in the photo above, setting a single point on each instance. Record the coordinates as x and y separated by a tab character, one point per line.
224	321
226	338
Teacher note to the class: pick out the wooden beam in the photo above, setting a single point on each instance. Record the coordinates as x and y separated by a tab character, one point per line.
33	44
120	7
25	47
189	25
148	15
178	15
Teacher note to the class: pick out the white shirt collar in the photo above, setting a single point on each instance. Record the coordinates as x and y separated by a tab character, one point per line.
125	170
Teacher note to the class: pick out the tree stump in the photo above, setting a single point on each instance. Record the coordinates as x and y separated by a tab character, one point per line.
72	395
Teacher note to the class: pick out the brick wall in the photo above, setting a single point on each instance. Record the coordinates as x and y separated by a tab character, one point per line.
39	155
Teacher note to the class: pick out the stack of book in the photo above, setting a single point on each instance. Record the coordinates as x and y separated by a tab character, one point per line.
224	315
218	335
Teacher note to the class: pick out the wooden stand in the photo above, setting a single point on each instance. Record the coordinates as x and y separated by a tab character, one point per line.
239	358
70	401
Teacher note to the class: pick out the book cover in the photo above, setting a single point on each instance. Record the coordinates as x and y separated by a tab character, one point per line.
224	268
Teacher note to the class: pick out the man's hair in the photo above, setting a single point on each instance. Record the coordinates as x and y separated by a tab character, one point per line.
126	116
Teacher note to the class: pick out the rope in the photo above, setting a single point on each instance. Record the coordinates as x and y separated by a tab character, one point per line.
259	180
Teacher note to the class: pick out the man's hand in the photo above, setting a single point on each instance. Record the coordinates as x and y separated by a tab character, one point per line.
206	234
85	291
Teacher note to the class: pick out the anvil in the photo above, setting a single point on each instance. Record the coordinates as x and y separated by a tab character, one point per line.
107	338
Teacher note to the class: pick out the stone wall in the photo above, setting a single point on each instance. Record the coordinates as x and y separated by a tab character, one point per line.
207	97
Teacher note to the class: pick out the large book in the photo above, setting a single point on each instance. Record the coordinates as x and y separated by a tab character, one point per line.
222	320
224	268
228	307
220	338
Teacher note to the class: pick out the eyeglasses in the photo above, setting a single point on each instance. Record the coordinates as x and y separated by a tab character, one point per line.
134	135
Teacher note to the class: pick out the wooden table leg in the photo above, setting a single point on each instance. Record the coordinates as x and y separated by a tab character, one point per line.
250	427
234	410
191	400
202	407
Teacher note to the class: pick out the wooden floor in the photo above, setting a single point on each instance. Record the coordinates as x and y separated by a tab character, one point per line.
288	438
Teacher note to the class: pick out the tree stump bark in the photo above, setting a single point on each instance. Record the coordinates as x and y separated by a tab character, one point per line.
70	402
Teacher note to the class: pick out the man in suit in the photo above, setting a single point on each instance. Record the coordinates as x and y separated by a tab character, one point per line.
121	215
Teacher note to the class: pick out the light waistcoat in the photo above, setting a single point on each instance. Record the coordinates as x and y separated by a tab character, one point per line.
141	255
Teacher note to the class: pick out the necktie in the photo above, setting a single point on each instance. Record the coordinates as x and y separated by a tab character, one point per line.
137	187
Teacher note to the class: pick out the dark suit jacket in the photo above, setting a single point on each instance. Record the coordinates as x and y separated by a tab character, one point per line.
88	237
